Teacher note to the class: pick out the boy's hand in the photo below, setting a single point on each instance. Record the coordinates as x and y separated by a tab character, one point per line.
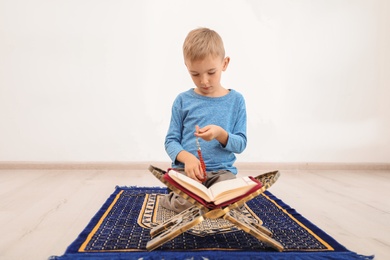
193	169
192	166
211	132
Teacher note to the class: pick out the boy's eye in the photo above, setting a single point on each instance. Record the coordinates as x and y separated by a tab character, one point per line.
211	73
195	75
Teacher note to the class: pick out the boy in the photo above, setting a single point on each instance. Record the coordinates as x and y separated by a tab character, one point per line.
215	115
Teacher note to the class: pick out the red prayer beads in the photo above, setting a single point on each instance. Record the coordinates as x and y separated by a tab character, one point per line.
203	165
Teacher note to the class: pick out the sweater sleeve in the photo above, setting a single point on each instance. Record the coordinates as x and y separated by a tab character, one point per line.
237	137
174	136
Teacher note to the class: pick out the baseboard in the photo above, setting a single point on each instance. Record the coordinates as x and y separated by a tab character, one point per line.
144	165
314	166
80	165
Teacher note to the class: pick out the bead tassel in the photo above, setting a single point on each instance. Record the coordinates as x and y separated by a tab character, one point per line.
203	165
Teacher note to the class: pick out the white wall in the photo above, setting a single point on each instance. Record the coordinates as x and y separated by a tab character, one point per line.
94	80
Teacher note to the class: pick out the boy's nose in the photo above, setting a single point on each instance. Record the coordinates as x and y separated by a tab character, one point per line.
204	80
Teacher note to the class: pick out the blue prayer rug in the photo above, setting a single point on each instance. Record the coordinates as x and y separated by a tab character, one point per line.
120	230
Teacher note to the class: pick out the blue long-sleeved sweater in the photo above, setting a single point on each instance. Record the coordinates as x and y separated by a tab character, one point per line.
190	109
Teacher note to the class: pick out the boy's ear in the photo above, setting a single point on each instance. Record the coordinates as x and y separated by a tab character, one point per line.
225	64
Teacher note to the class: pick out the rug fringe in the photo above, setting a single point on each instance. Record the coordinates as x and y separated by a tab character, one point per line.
215	255
138	187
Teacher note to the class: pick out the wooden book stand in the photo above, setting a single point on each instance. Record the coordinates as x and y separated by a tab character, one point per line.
191	217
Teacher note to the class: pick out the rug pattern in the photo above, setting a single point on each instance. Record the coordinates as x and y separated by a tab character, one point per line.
153	214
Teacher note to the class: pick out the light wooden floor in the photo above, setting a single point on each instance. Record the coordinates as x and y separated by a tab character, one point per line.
43	211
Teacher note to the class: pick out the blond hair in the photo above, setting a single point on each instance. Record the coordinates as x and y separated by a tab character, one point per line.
201	43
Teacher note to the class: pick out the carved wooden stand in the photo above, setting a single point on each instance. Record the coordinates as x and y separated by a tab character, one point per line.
191	217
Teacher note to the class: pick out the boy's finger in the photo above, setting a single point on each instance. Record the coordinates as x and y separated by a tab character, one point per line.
193	175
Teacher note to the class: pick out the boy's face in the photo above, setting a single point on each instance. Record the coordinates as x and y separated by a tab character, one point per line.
206	74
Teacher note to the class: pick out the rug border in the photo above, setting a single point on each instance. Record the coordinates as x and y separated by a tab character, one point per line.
78	242
314	229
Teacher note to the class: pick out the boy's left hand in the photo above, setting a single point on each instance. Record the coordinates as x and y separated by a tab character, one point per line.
211	132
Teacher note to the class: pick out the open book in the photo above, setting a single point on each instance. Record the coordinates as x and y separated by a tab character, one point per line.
219	194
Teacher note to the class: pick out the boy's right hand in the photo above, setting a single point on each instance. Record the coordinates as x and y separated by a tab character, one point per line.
192	166
194	170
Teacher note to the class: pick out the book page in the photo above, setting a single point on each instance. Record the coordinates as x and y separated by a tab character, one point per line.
227	190
192	185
